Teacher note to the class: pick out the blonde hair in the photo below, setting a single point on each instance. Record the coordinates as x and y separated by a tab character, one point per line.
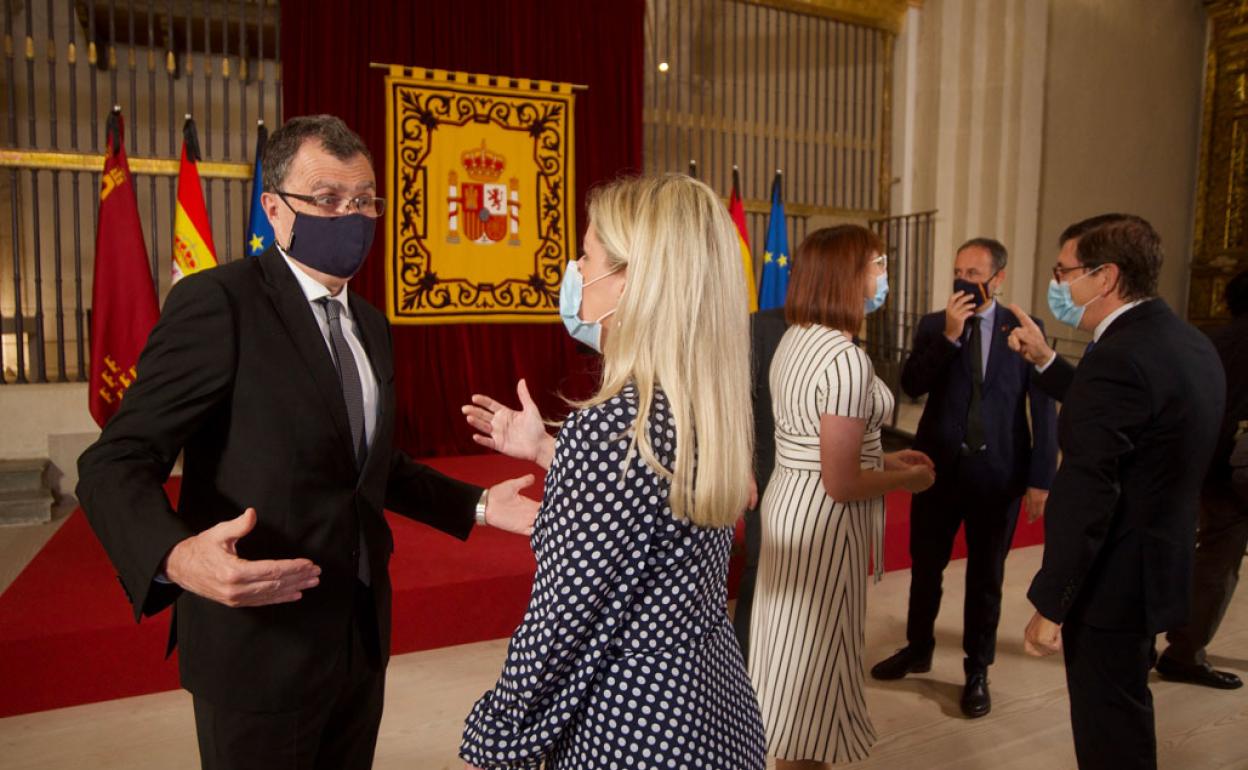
682	324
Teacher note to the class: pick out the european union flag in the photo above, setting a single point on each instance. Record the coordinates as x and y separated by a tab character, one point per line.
775	282
259	231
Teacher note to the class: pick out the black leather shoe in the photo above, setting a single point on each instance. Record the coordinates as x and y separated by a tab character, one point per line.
907	660
1202	674
976	701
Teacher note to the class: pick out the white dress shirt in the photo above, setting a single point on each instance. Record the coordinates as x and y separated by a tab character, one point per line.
315	291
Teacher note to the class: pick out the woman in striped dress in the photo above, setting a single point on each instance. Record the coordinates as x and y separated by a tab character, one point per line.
824	506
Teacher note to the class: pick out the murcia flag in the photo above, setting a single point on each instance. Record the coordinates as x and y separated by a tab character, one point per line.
192	235
124	308
737	211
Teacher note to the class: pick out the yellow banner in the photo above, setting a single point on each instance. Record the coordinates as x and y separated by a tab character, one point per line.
480	170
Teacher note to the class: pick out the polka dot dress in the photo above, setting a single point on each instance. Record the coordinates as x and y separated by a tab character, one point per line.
625	657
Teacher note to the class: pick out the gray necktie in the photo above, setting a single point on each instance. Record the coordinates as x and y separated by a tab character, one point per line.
353	395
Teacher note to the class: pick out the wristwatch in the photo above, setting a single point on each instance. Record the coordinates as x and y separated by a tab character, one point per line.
479	513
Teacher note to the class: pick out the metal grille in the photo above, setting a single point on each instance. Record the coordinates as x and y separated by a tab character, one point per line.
766	89
66	63
890	331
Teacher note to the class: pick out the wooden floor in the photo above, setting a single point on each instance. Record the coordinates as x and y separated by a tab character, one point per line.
917	718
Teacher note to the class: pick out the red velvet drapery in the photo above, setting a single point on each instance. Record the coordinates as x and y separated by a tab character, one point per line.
326	49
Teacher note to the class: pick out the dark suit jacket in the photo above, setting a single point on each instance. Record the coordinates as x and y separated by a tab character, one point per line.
1018	456
766	329
237	375
1139	419
1231	342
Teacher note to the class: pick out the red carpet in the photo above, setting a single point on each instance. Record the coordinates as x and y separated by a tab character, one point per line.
67	637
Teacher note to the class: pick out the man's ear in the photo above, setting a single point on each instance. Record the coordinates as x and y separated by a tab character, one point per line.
270	202
1115	277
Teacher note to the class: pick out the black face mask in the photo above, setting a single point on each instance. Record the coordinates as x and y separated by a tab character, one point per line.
333	245
980	292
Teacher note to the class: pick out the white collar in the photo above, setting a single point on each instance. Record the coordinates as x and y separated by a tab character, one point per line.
990	310
1109	319
313	289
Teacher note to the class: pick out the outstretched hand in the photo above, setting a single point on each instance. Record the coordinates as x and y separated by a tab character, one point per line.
208	565
1028	340
506	508
520	434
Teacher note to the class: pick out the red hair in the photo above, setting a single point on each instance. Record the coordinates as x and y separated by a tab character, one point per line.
828	275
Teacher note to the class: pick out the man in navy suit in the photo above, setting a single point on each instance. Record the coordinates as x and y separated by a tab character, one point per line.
975	428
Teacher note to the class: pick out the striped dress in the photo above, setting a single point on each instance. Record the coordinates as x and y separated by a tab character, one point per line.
808	629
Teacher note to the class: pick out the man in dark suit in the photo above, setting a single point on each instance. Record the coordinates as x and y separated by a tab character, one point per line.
975	427
276	382
1140	416
1222	535
766	329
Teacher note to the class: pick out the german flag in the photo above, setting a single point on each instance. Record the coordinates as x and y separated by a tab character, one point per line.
737	211
192	234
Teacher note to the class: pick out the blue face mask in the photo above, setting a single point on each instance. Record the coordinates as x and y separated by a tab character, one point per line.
980	292
333	245
586	332
1062	304
875	302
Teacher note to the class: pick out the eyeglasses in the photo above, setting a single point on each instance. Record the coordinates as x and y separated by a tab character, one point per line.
1059	271
333	205
882	261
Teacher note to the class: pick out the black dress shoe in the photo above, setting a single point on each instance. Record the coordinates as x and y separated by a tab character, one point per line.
1202	674
976	701
907	660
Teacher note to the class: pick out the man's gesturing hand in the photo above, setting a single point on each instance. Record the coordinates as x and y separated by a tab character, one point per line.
506	508
1028	341
208	565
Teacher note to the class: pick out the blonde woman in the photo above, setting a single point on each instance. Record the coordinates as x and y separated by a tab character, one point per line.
625	656
823	503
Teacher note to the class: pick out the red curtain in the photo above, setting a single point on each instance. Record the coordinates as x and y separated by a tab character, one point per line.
326	49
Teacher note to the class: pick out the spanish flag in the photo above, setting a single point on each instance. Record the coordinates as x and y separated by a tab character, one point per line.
124	308
192	235
737	211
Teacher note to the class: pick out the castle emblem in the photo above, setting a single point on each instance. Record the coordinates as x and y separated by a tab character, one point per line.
483	210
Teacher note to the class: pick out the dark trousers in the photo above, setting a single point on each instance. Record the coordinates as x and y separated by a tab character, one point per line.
1111	707
745	589
934	521
1220	543
336	729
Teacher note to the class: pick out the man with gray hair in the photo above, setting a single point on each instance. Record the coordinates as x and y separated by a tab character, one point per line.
276	382
988	456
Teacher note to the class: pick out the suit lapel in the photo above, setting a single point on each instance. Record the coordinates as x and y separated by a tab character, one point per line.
999	350
296	314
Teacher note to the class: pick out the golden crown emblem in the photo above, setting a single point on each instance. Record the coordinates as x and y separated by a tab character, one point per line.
483	165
